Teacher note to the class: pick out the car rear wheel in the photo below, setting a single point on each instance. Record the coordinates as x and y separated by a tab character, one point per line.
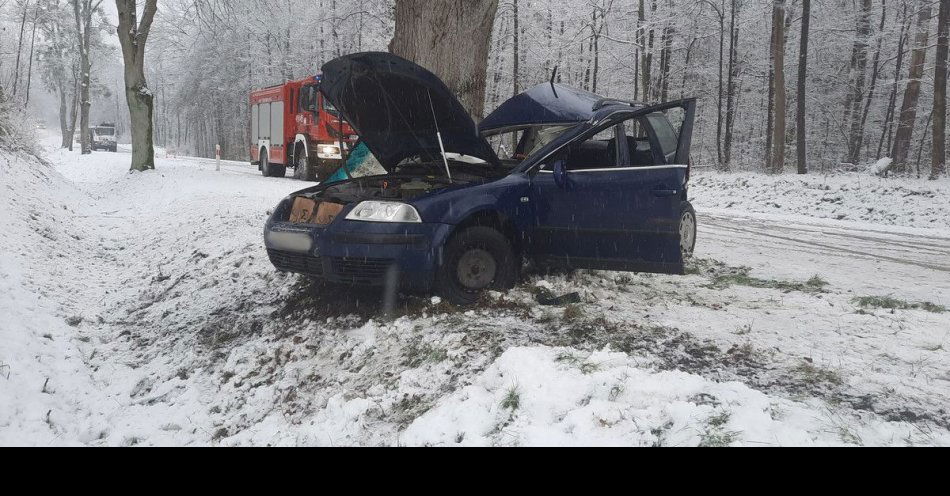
476	260
688	231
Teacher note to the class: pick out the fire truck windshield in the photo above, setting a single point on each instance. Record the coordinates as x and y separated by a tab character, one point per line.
329	108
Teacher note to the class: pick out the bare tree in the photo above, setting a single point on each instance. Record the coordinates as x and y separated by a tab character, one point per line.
778	62
887	130
16	72
802	90
731	94
133	35
858	81
908	114
83	11
451	39
940	93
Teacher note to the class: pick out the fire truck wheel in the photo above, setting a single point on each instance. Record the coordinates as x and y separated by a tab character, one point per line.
270	170
304	170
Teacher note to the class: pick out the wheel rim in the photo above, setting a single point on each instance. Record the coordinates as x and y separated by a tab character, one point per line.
687	234
477	270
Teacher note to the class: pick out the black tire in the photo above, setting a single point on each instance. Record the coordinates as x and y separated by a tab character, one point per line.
476	260
688	229
265	163
304	168
271	170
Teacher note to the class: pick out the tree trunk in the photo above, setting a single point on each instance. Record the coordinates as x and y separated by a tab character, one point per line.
731	86
667	49
939	165
19	49
63	114
856	134
875	70
29	70
908	114
646	41
801	133
132	36
888	127
770	106
74	109
778	133
83	16
721	92
451	39
516	54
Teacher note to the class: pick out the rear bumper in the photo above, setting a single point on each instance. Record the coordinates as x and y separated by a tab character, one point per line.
360	253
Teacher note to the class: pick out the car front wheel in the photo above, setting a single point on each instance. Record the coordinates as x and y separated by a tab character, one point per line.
688	231
476	260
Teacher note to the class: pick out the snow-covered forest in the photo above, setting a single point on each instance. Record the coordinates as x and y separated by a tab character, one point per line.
870	65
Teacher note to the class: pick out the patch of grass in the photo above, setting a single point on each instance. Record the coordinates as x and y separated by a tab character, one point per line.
585	366
409	408
742	278
814	375
220	434
573	313
417	355
660	434
716	436
512	400
849	437
718	439
890	303
720	421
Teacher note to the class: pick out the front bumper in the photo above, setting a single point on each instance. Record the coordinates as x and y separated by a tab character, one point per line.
359	253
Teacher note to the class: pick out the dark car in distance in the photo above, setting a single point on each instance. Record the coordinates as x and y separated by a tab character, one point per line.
594	183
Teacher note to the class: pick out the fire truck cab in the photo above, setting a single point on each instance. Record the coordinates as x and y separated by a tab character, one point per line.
292	125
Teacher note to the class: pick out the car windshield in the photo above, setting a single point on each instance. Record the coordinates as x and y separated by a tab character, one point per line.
105	131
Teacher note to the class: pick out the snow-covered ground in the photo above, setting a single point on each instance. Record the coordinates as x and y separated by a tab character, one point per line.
141	309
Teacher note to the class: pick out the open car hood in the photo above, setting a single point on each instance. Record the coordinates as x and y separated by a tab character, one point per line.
544	105
397	107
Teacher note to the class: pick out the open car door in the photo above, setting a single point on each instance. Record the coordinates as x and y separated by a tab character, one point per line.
612	198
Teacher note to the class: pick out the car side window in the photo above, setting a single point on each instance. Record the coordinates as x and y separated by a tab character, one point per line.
667	137
598	152
640	149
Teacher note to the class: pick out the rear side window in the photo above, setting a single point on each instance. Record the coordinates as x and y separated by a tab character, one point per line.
665	134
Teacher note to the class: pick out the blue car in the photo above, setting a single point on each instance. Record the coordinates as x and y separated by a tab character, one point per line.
592	183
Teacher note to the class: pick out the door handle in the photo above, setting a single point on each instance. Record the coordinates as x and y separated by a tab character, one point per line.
665	193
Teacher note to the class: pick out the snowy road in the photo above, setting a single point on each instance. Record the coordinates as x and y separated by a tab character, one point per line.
859	245
144	311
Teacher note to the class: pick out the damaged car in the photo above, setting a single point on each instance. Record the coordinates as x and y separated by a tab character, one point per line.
593	183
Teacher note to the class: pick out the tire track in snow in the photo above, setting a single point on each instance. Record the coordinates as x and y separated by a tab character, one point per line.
933	255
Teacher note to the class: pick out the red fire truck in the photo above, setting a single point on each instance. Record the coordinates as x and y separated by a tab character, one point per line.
293	126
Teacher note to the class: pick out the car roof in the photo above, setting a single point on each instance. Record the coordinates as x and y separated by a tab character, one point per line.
550	104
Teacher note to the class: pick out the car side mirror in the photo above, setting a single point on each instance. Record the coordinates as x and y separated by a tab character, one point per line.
560	172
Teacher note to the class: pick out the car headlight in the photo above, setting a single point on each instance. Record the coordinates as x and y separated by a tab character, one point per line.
377	211
329	152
